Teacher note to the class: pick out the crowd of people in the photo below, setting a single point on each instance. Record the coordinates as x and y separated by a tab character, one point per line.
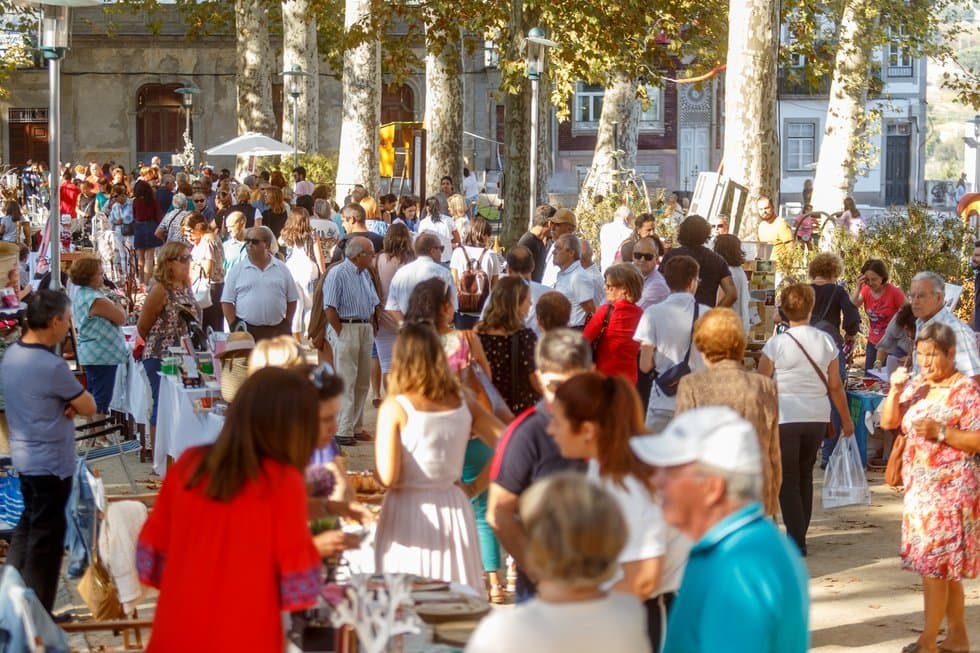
591	417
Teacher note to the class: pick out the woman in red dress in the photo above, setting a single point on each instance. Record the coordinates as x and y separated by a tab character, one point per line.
227	543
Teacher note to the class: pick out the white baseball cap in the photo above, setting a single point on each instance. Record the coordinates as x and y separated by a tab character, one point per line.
714	435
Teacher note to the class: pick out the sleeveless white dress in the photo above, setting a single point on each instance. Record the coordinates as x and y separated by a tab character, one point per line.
427	525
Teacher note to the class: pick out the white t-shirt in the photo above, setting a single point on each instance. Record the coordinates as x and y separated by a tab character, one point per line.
408	276
802	395
598	284
667	327
611	237
741	306
443	228
649	535
550	274
489	265
576	284
471	187
613	623
10	229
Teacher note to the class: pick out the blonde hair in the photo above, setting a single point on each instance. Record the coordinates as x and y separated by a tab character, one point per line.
418	364
370	207
170	251
575	530
281	351
457	205
719	335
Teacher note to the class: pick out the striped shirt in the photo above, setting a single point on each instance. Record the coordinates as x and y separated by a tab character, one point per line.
350	292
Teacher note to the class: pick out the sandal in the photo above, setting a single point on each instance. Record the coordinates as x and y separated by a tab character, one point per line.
498	596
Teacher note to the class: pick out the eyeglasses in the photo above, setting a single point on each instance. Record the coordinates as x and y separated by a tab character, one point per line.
644	256
254	241
183	259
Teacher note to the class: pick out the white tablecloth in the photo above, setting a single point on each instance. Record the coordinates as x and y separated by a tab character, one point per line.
178	426
131	393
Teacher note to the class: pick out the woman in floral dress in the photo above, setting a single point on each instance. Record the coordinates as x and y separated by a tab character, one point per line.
939	412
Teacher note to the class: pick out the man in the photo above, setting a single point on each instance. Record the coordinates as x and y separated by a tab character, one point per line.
573	281
259	201
428	253
68	194
354	219
655	290
927	296
445	190
526	453
591	268
42	397
709	473
300	185
645	227
664	334
975	266
613	233
715	273
260	291
562	222
351	302
773	229
471	191
235	248
536	239
203	199
520	263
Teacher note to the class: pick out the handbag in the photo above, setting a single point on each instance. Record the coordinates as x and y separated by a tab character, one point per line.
202	291
830	433
602	332
893	471
97	588
671	377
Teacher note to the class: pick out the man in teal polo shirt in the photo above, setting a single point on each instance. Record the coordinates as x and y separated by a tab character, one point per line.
745	588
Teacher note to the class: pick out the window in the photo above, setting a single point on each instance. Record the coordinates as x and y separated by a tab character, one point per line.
801	144
899	57
653	117
588	104
796	59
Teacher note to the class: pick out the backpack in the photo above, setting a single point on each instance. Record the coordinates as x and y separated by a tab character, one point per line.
474	284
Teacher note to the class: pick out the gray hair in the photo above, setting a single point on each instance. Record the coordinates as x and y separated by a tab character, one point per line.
586	248
235	216
179	201
356	246
938	283
740	487
572	243
938	334
265	233
322	208
623	214
563	350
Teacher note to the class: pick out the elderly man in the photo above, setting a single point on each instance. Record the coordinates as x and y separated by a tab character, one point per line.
42	397
350	301
645	255
927	295
574	282
562	222
612	235
234	247
709	473
428	253
259	291
591	268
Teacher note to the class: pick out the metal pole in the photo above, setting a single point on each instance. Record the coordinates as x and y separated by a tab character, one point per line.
54	156
295	130
534	151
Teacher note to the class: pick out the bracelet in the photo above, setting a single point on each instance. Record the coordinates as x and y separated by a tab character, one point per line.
942	433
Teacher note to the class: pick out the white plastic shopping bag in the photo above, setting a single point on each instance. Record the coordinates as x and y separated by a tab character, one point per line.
845	483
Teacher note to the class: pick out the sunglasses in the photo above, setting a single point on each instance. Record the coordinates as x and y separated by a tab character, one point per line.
646	257
254	241
183	259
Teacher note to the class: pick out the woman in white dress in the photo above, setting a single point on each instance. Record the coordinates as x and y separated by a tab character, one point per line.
729	247
397	252
426	525
297	236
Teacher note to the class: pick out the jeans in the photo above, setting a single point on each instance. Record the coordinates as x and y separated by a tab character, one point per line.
799	443
212	315
38	542
152	367
465	321
80	514
870	355
101	380
835	419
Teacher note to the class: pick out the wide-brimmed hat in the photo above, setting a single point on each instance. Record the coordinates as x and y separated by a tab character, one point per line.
563	216
240	343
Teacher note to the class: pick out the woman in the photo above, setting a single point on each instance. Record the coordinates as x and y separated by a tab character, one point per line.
203	530
372	214
276	215
278	180
575	532
442	226
243	204
881	301
719	336
475	254
460	216
303	264
10	223
832	310
850	218
553	311
172	225
895	346
803	361
397	252
612	327
509	344
729	247
146	218
408	212
222	207
423	428
162	323
938	409
207	262
121	219
101	346
594	417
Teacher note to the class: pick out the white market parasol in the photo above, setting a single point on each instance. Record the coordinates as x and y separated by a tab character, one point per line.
250	144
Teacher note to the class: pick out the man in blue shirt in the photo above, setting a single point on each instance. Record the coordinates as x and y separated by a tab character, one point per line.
745	588
42	397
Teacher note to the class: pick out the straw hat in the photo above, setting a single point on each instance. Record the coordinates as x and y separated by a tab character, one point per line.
240	343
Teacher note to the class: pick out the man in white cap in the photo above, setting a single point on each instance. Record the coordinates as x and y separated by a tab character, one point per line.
745	587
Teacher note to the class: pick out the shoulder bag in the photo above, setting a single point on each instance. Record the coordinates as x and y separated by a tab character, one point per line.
97	588
671	377
893	471
602	332
831	434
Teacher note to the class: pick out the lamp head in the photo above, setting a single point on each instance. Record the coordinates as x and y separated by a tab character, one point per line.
537	44
187	94
55	25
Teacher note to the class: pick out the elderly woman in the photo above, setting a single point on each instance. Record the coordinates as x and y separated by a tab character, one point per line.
803	361
171	228
207	262
719	336
612	327
575	532
101	346
939	411
881	301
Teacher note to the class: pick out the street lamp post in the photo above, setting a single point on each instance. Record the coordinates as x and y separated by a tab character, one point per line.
536	48
976	152
55	28
187	94
293	76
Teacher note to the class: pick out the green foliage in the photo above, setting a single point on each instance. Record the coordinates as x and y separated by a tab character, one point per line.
590	220
320	168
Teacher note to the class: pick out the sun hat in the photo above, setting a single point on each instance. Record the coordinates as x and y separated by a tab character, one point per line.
240	342
563	216
714	435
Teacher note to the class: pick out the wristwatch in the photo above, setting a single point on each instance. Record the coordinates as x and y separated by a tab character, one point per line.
942	433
